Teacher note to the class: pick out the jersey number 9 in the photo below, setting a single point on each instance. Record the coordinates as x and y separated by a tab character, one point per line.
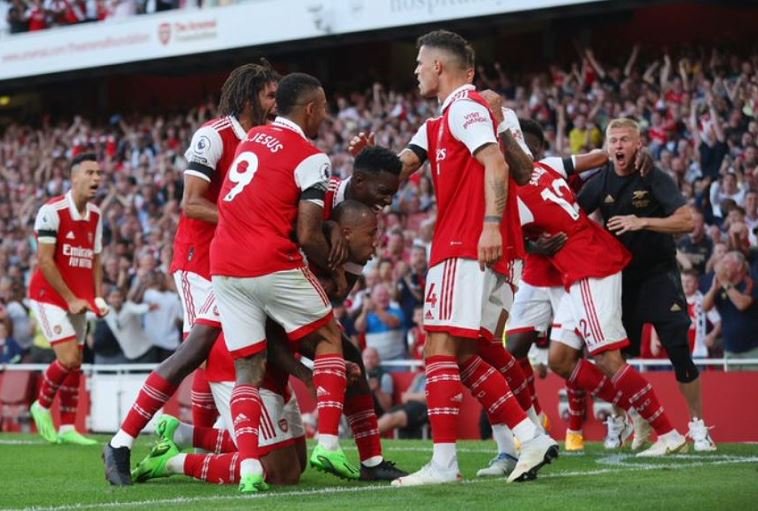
241	173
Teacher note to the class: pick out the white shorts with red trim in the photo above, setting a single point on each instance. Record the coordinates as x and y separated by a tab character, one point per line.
281	423
533	308
198	300
463	300
292	298
592	309
58	324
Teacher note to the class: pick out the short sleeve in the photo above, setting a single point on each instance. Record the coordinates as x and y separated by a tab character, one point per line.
713	316
387	384
511	123
472	124
666	192
204	153
313	172
46	224
419	144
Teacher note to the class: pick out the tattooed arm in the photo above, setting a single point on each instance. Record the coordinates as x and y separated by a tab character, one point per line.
495	195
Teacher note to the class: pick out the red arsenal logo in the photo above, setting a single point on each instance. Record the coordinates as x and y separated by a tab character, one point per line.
164	32
283	425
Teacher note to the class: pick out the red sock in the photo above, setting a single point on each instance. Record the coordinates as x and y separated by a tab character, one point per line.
214	468
490	388
444	394
526	368
330	382
495	354
152	396
69	392
204	411
641	395
361	416
246	415
213	440
52	378
577	402
588	377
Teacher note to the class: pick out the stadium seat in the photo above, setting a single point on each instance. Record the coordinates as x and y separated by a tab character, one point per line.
17	391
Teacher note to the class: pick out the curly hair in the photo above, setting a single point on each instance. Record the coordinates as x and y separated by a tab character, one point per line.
243	85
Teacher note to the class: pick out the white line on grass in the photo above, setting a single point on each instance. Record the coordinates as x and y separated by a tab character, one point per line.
622	467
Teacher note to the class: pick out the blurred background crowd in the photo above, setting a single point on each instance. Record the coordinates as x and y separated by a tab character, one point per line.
698	108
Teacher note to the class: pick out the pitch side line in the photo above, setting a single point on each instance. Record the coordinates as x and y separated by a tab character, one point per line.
617	461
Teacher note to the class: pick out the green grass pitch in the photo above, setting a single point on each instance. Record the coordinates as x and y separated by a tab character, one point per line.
45	477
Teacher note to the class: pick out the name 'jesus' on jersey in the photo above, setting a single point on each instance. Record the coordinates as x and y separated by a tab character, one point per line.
259	200
77	239
547	205
450	142
208	158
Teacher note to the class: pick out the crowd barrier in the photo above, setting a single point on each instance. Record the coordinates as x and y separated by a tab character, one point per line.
106	393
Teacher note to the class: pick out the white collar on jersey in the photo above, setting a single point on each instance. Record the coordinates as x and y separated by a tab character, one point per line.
75	215
453	95
237	127
339	195
283	122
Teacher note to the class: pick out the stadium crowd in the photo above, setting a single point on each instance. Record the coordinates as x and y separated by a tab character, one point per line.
698	109
32	15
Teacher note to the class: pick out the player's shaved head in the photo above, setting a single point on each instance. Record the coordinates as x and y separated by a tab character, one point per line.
456	47
296	89
350	213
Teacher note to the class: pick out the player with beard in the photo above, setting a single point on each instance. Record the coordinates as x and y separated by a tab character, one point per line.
248	99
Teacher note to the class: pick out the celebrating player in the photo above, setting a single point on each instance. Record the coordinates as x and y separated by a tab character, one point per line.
462	295
65	286
247	99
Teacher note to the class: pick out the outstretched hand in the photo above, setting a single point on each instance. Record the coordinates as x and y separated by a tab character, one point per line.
360	142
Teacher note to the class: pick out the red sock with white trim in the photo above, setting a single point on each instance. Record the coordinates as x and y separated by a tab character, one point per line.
639	392
360	414
204	413
577	406
492	391
444	394
495	354
69	393
588	377
155	392
213	440
330	382
214	468
526	368
246	415
52	379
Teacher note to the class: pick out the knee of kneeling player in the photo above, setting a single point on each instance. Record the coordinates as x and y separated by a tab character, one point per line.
71	360
283	474
684	368
519	344
561	363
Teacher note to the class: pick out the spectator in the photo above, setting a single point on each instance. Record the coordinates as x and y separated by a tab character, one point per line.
703	340
125	324
411	415
694	249
12	295
734	293
379	381
10	351
411	285
417	335
382	324
164	319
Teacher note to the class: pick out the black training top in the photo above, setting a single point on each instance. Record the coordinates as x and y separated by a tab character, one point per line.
654	196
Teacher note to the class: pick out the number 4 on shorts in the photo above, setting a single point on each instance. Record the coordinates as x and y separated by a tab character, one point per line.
431	297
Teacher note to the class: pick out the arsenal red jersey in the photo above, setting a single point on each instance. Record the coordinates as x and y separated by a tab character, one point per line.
335	194
450	141
259	201
548	205
208	157
77	239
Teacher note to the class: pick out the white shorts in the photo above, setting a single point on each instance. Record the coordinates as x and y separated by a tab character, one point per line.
592	309
292	298
281	423
463	300
533	308
58	324
198	300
